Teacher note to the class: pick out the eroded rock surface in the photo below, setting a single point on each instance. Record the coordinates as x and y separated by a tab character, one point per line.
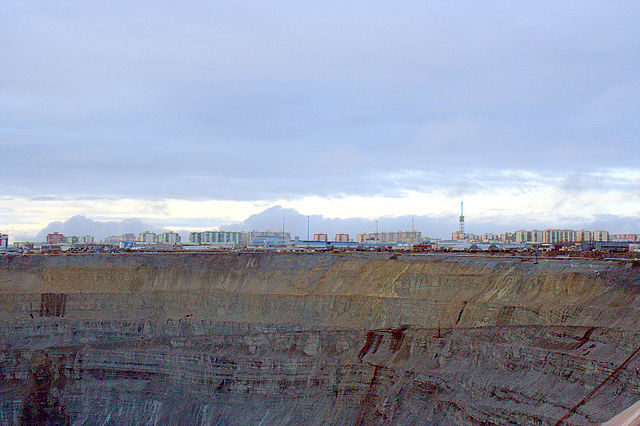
315	338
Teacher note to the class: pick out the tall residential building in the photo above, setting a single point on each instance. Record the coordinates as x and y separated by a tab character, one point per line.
535	236
4	241
320	237
342	238
600	235
458	235
228	238
55	238
583	235
148	237
509	237
390	237
72	239
554	236
169	238
632	238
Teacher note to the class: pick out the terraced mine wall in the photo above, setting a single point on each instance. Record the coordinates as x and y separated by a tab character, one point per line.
340	338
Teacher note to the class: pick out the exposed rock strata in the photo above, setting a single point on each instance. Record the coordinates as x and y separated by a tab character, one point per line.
298	338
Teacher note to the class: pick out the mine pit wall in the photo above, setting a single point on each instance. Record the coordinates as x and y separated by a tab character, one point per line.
313	338
363	291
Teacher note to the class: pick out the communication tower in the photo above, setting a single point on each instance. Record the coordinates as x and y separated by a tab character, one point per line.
461	220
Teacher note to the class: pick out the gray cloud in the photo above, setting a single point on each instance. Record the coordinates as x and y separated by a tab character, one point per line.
430	226
296	224
264	101
81	225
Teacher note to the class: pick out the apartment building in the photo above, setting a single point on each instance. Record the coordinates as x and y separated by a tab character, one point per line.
55	238
600	235
227	238
342	238
320	237
624	237
390	237
148	237
168	238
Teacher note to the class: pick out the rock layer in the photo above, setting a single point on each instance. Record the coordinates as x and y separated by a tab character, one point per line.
315	338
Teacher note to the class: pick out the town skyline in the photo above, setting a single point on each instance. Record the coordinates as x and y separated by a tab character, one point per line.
206	114
296	224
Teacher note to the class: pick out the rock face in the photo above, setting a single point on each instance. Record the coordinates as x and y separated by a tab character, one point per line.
315	338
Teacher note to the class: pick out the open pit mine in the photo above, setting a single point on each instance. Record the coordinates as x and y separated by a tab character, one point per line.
311	338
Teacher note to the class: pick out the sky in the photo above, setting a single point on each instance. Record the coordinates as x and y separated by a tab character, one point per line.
203	115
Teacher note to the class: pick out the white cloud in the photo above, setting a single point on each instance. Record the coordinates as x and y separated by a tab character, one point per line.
509	193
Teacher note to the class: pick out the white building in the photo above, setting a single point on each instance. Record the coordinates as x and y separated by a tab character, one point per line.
625	237
218	238
267	238
148	237
168	238
390	237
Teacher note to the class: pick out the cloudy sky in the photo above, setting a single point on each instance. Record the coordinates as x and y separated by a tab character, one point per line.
202	115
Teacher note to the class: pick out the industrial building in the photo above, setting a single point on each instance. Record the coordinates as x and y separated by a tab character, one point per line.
267	238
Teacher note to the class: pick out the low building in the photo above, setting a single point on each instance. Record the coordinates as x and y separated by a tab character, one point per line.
320	237
605	245
55	238
267	238
114	240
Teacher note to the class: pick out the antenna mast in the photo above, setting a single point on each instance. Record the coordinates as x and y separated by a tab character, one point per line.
461	220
